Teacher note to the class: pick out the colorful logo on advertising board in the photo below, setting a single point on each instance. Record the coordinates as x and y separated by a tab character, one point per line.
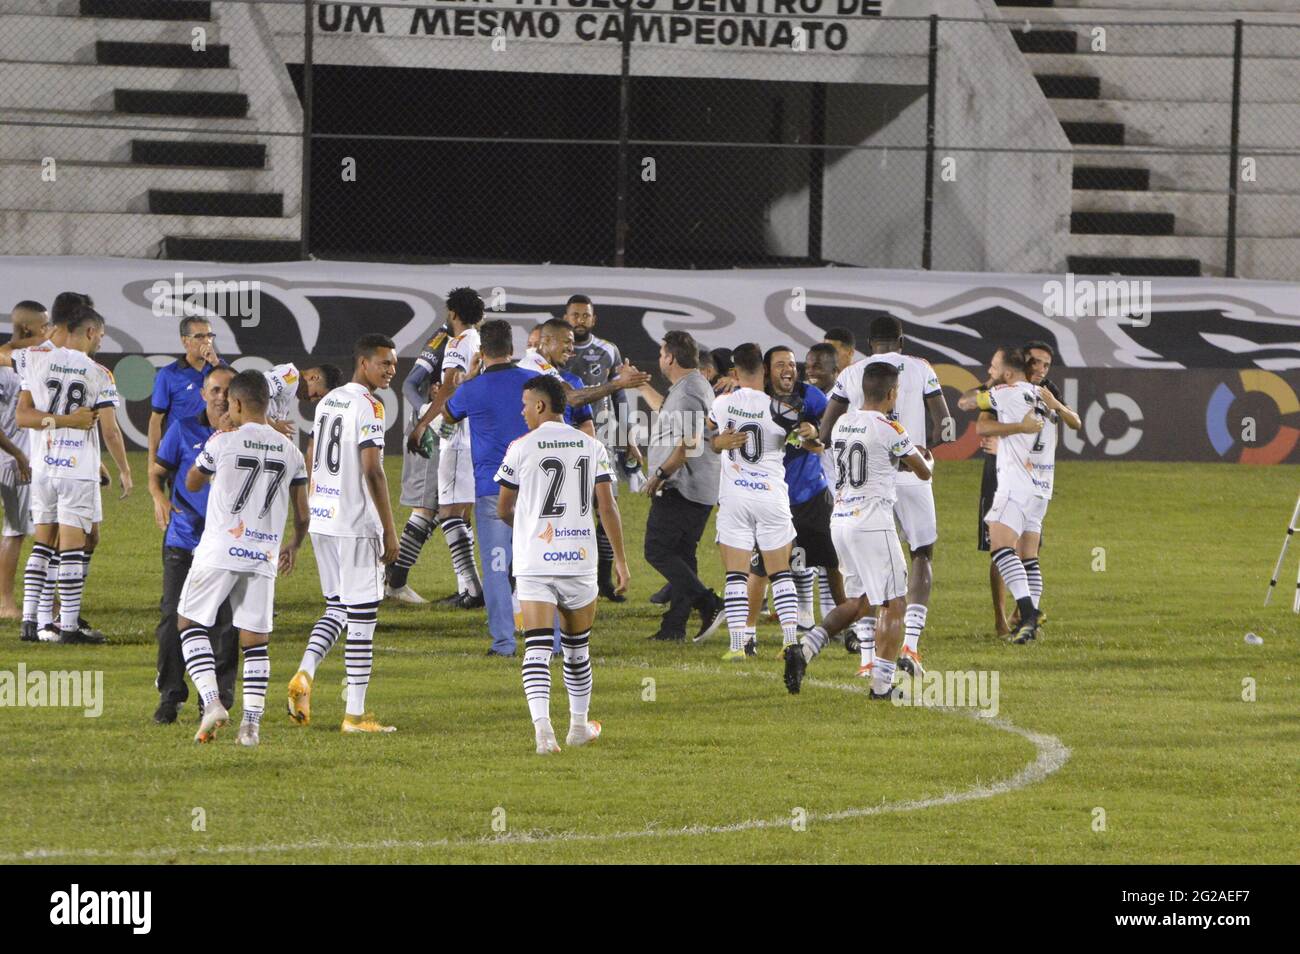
1217	421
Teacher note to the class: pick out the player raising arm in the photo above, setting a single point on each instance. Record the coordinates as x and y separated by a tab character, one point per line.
548	479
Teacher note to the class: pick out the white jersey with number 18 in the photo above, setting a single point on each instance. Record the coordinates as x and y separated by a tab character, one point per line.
555	469
348	420
252	468
60	381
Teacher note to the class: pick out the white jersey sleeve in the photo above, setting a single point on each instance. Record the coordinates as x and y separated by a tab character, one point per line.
458	357
252	469
533	361
555	469
282	380
348	420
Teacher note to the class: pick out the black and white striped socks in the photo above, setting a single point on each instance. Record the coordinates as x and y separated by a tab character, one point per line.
537	672
38	562
460	541
257	673
1016	579
359	653
785	599
1034	574
805	582
323	635
200	663
71	583
414	534
577	674
736	606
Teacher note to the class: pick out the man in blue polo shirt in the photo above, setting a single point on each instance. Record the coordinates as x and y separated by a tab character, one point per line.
178	387
181	516
490	401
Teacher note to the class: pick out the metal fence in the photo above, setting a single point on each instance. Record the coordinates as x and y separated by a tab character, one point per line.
694	133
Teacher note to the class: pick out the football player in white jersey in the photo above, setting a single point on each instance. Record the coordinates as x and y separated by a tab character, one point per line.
352	530
552	479
455	466
30	323
918	391
1024	420
255	472
868	446
753	502
288	387
63	389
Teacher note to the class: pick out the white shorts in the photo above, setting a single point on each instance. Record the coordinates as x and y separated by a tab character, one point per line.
1023	516
566	592
251	595
872	563
350	568
455	476
419	479
67	502
914	511
17	501
762	522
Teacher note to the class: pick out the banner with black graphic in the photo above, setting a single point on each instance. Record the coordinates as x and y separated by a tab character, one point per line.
1160	369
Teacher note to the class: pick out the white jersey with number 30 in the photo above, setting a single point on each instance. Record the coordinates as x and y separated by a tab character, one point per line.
555	469
348	420
867	446
252	469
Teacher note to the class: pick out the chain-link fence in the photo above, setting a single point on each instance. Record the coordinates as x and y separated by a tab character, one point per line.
665	133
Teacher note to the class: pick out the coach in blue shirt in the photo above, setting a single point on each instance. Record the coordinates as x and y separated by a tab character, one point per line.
178	387
490	401
182	516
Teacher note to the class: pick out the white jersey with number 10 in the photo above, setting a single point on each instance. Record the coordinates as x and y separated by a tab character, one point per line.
555	469
757	467
348	420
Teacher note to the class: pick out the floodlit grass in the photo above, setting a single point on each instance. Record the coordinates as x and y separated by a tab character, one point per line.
1140	674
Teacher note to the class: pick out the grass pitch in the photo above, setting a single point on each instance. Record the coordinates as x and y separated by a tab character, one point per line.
1153	575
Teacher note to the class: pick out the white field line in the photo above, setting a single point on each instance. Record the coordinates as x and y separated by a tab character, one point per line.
1051	755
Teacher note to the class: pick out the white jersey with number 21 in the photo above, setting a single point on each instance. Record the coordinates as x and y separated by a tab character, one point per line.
555	469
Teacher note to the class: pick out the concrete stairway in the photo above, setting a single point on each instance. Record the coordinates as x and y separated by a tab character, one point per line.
1150	118
159	150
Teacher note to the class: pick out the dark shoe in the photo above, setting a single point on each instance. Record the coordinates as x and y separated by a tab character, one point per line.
795	666
881	696
166	713
87	636
664	596
607	591
493	652
452	601
467	601
851	642
84	625
669	636
711	616
28	632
